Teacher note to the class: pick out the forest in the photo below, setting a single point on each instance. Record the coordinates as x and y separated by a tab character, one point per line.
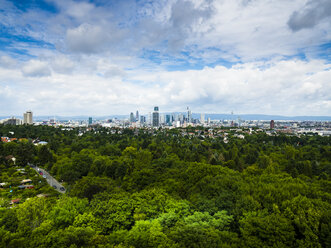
165	188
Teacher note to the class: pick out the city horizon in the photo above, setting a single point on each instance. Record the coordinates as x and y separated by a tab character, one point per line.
215	116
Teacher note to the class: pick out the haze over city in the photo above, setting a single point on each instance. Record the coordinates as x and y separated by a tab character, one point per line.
100	57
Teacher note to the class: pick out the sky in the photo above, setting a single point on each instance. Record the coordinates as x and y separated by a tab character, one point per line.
104	57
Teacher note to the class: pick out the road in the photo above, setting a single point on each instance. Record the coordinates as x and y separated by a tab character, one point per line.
50	180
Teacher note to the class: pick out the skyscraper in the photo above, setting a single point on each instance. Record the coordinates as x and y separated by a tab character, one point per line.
168	119
137	116
132	118
156	117
142	119
28	117
202	118
181	118
189	115
90	120
272	124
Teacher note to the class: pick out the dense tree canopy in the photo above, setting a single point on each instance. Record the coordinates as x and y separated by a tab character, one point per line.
166	188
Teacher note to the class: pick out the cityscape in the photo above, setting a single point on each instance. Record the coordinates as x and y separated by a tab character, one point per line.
157	119
166	124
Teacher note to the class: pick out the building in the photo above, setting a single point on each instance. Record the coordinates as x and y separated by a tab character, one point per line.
11	121
156	117
202	118
181	118
137	116
161	119
272	124
90	120
168	119
189	115
28	117
142	119
149	119
132	118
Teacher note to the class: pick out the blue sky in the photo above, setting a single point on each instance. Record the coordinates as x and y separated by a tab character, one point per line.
66	57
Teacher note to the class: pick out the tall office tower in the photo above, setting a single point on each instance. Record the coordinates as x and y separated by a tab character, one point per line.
132	118
90	120
168	119
137	116
142	119
189	115
202	118
156	117
272	124
149	119
208	121
162	119
27	117
181	118
174	117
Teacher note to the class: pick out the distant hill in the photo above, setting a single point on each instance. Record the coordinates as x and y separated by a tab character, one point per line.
264	117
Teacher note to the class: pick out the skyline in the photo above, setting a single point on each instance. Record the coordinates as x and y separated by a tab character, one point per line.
196	115
112	57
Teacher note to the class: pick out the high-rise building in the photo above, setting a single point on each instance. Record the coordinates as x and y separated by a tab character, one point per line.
142	119
156	117
137	116
181	118
132	118
202	118
28	117
272	124
189	115
90	120
161	119
168	119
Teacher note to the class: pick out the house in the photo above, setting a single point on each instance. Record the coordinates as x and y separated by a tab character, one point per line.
24	181
25	186
42	195
2	185
15	201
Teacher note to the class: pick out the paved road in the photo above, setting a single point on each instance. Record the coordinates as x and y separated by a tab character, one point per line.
50	180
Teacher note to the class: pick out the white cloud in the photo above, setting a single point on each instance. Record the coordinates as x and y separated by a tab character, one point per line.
86	38
7	62
283	87
62	64
36	68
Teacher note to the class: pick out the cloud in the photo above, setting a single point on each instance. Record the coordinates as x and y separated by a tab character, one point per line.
7	62
284	87
86	38
185	19
62	64
240	30
89	39
101	58
310	15
292	87
36	68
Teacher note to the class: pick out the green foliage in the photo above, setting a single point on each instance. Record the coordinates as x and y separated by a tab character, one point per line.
166	188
